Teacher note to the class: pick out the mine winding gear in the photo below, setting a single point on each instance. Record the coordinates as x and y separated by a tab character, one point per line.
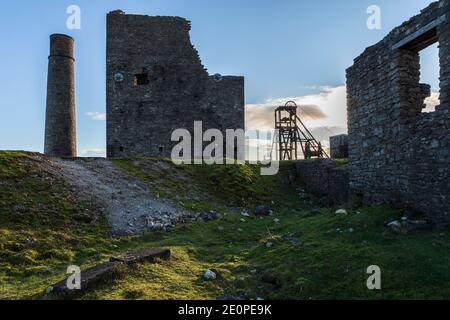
293	136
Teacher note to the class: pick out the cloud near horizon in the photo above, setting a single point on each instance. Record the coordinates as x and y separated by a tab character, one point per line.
93	153
97	116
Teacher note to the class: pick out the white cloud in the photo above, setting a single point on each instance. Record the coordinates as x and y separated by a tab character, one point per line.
432	101
325	113
97	116
93	153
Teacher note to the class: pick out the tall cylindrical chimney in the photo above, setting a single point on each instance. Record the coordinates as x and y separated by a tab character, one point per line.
60	124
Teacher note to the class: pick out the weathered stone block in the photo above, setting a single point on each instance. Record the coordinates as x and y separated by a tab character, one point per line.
339	146
325	178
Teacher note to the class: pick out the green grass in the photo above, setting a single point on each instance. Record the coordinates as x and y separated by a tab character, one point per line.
43	227
342	161
314	254
199	186
309	259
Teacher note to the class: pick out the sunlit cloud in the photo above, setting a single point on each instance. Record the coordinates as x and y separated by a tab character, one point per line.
432	101
324	113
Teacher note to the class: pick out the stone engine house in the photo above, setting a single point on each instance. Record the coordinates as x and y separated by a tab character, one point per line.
156	83
398	153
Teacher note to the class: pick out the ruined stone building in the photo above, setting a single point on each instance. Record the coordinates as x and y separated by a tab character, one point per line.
398	153
156	83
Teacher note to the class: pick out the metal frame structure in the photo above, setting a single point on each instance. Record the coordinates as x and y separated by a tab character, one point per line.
293	135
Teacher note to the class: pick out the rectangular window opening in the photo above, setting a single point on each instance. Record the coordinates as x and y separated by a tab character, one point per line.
141	79
429	77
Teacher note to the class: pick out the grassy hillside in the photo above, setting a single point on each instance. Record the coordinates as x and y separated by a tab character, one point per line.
301	252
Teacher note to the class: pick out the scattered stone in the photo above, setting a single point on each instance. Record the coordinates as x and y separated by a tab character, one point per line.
341	211
253	271
276	220
262	211
209	275
243	220
397	227
245	214
220	228
269	244
209	216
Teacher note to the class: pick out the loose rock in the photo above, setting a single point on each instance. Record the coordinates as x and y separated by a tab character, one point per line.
209	275
341	211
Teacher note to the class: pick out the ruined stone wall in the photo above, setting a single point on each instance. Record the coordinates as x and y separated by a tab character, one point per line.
156	84
325	179
397	153
339	146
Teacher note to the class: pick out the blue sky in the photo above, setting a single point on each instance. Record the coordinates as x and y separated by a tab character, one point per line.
284	48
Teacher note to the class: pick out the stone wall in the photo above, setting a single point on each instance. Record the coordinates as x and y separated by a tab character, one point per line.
325	179
397	153
339	146
156	84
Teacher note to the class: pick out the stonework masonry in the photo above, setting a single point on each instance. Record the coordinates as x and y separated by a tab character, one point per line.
398	153
156	83
60	128
325	178
339	146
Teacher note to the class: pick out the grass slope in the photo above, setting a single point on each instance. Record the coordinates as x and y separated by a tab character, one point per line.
315	254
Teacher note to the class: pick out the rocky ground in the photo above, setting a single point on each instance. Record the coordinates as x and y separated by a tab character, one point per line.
129	205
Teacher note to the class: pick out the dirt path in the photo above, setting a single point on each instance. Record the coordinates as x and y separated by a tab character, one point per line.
129	205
